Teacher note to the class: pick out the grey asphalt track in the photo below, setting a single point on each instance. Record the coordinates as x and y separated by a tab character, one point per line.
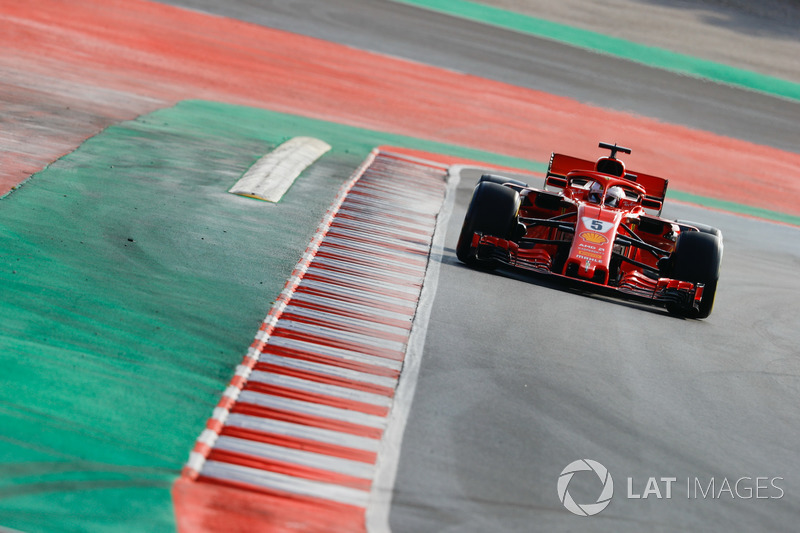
522	376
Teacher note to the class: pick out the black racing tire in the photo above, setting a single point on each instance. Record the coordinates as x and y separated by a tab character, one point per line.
492	211
703	228
501	180
697	258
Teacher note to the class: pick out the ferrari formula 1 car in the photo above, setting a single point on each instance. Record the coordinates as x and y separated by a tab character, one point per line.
597	223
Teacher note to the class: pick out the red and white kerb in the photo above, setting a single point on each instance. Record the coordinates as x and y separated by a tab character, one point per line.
306	410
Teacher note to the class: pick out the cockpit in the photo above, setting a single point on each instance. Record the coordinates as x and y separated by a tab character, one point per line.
602	191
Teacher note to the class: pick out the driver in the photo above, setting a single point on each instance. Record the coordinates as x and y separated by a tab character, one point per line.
595	193
614	195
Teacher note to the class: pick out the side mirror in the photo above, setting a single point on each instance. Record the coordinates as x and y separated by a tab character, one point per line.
554	181
650	203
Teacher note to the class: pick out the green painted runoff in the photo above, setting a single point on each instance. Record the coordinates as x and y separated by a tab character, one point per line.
132	285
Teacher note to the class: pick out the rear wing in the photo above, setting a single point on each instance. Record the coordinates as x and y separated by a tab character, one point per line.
655	187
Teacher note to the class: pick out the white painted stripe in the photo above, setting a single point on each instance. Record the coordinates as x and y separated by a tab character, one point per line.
208	437
368	296
394	229
282	482
411	180
340	335
413	273
330	351
384	242
380	216
272	175
300	431
329	370
399	255
349	231
389	209
346	305
315	409
305	385
390	203
343	320
361	281
396	203
220	414
358	268
196	461
404	197
385	205
297	457
352	292
412	184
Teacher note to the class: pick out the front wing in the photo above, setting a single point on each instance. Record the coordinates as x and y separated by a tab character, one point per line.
633	283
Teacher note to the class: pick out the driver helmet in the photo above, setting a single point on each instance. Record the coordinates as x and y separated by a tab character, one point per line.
595	193
614	195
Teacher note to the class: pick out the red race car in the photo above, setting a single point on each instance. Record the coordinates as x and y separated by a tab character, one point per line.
597	223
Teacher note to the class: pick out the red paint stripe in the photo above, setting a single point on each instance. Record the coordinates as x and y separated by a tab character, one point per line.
344	344
350	269
341	325
364	238
317	274
419	262
326	379
385	233
317	398
330	307
370	262
306	445
373	199
408	195
288	469
306	420
213	505
318	357
368	206
423	233
375	217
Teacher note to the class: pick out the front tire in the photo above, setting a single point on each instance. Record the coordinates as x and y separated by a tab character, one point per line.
492	211
697	258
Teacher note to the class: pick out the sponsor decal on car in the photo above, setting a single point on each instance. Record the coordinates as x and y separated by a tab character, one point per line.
597	225
590	255
593	237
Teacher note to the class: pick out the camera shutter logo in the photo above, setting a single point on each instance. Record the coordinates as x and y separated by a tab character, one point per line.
588	509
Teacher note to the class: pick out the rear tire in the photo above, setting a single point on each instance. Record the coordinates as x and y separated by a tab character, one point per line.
492	211
697	258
